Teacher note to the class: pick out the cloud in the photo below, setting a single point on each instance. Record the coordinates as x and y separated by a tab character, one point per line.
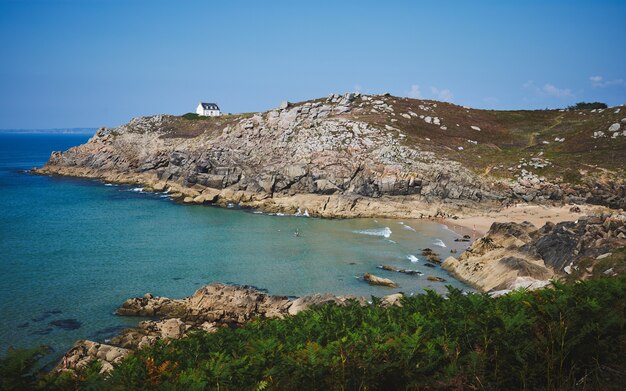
415	92
552	90
549	89
444	94
599	82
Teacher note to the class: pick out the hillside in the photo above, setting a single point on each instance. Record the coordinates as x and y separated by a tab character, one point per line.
359	155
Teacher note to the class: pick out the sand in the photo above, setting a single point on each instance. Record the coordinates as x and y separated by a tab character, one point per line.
477	226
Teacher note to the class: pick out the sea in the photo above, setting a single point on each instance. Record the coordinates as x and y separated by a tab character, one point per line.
72	250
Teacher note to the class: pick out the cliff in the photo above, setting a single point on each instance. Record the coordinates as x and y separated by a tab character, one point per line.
359	155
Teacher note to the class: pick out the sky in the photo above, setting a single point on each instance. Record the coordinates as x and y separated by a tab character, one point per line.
92	63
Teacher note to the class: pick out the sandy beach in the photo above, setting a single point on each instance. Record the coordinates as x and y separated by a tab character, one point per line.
477	226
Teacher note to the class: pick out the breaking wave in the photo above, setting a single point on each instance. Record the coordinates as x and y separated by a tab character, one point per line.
384	232
439	242
412	258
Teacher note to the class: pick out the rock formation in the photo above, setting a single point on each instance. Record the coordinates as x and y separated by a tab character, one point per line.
342	156
209	308
514	255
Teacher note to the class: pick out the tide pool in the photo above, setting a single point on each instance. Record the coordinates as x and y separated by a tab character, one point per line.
75	249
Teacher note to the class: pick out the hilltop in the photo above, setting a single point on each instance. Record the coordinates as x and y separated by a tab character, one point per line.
358	155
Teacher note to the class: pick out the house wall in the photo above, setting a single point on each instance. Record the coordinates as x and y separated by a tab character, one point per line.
209	113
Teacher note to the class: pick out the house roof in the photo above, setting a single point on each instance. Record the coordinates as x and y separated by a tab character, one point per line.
209	106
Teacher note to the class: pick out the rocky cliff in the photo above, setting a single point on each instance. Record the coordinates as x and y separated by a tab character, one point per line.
352	155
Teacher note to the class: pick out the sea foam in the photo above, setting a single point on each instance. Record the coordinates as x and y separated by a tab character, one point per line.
384	232
439	242
412	258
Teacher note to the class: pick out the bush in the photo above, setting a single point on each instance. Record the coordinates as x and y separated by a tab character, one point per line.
588	106
192	116
560	338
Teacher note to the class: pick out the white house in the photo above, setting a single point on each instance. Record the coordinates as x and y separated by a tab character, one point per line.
208	109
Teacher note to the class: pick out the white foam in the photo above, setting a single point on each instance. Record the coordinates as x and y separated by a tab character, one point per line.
409	228
230	205
440	243
257	212
109	184
392	241
280	214
306	213
412	258
384	232
137	189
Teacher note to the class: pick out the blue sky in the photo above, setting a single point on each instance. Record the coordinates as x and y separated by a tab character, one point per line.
90	63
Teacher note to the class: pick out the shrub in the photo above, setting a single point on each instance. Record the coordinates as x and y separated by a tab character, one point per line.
588	106
563	337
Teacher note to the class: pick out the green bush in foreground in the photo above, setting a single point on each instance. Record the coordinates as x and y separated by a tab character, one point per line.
571	336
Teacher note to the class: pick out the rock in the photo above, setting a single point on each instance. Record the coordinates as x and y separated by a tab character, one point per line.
615	127
392	300
375	280
84	352
284	104
436	279
475	128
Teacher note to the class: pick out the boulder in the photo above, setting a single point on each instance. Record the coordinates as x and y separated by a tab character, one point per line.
375	280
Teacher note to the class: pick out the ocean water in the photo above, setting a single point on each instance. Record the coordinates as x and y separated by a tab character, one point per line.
75	249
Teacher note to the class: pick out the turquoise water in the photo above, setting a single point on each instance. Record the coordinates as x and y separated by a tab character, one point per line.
76	249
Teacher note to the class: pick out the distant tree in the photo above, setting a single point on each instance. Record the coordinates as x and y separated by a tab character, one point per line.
588	106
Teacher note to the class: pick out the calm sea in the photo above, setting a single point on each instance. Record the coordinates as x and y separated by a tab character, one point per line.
75	249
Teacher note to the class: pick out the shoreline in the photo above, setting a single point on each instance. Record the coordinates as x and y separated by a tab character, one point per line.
470	218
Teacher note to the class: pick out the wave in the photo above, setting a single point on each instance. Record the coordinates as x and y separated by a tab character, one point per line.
137	189
110	184
440	243
408	228
412	258
302	214
384	232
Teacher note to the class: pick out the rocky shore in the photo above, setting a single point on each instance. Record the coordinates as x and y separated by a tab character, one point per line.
209	308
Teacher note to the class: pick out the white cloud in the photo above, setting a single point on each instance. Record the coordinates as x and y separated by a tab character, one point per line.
415	92
599	82
553	90
444	94
549	89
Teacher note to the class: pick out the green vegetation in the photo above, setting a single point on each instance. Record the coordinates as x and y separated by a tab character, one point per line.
570	336
192	116
588	106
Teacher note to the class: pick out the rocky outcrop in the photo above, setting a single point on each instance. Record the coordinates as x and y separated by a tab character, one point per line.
520	255
375	280
317	147
209	309
345	149
84	352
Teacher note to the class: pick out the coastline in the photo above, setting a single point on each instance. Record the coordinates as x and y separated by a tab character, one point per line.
317	205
